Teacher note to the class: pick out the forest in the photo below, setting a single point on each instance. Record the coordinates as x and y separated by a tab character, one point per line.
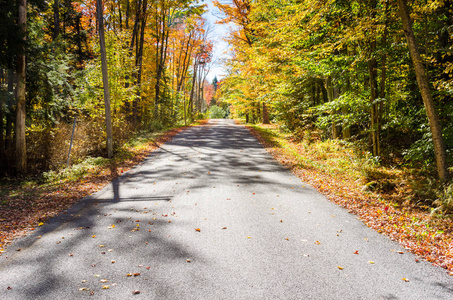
355	97
373	75
157	56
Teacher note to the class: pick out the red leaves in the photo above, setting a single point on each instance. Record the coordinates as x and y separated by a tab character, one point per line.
416	230
30	205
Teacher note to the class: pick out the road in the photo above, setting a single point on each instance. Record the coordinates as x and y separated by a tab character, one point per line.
210	215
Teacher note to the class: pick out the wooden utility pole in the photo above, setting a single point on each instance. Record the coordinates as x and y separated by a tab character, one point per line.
21	150
105	78
423	84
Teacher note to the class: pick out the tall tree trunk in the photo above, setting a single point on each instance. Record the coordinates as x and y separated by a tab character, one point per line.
105	79
3	96
372	71
9	116
265	114
139	60
192	91
423	84
127	13
383	78
56	19
331	96
21	150
120	16
162	43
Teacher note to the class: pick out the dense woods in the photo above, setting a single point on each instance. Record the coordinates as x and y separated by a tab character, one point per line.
157	55
375	74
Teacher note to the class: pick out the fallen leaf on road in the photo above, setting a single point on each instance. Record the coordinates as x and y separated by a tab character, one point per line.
134	292
93	236
356	252
71	254
105	287
136	274
40	224
197	229
103	280
371	262
318	243
83	281
405	279
224	228
341	268
83	289
129	275
188	260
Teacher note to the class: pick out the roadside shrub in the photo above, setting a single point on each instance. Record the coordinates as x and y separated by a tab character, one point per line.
216	112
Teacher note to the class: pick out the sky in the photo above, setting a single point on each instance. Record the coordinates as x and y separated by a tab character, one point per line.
220	47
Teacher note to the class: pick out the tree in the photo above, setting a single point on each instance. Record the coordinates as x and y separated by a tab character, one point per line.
105	79
423	84
21	150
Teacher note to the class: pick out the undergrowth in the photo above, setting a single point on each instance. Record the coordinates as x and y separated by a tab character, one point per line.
344	160
405	204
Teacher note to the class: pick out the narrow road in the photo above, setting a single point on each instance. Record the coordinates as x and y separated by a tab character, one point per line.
210	215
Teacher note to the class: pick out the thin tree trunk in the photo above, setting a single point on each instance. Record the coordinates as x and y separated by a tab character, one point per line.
56	18
9	116
21	150
127	13
331	97
265	114
120	16
194	79
139	60
423	84
2	139
105	79
383	78
162	44
372	71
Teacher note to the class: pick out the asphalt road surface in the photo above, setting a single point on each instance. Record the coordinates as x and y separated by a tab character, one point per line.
210	215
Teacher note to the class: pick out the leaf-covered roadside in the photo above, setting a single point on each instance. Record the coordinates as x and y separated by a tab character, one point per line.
428	236
27	204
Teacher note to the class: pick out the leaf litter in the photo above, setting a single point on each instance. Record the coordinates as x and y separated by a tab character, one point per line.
416	230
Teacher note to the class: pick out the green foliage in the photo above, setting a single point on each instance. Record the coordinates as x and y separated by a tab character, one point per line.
216	112
444	201
76	171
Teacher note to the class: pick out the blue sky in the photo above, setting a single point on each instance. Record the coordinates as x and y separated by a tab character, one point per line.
220	46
